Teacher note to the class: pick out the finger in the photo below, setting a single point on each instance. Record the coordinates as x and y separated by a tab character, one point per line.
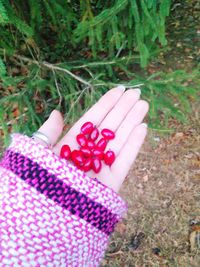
133	118
52	127
120	110
95	114
127	155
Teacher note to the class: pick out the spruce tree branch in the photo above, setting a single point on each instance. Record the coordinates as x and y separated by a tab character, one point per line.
52	67
11	122
104	63
76	77
75	102
135	58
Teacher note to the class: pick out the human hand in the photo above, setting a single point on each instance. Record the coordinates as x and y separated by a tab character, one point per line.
119	111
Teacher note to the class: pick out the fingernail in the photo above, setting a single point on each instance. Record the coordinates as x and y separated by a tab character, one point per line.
144	124
121	87
138	90
52	112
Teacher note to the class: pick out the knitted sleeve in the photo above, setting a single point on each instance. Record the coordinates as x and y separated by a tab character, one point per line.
51	213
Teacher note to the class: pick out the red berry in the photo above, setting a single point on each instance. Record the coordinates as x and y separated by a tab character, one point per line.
108	134
98	153
90	144
86	152
77	157
65	152
81	139
101	145
94	134
109	157
96	165
87	127
87	165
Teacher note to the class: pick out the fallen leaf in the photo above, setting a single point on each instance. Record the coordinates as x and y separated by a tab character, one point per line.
179	135
145	178
120	228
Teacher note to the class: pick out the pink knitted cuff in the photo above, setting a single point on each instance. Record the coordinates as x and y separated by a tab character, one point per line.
38	187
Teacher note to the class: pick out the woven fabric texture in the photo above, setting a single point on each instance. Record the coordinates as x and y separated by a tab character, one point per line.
51	213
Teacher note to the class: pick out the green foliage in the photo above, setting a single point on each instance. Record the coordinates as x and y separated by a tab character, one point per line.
2	68
45	88
3	14
55	30
127	24
32	26
170	95
92	46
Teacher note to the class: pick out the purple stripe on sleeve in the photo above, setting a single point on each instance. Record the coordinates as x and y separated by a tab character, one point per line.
52	187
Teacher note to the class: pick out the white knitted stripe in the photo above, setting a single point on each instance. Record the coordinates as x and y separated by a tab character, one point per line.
68	173
37	232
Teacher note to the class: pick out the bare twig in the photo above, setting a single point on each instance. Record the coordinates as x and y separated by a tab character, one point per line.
114	253
75	102
103	63
115	85
76	77
52	67
120	49
162	130
58	89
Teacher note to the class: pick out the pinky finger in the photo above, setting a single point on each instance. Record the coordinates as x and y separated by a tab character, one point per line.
128	154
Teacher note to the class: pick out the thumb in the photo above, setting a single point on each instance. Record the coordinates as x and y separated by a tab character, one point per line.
52	127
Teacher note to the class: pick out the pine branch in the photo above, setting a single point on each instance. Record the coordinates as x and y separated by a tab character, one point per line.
105	63
11	122
76	77
53	68
3	14
58	89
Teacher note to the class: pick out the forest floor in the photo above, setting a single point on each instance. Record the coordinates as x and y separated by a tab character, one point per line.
162	227
163	195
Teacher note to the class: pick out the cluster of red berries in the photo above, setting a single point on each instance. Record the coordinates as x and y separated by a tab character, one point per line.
90	154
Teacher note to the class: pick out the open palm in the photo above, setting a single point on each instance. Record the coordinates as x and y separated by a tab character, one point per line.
123	113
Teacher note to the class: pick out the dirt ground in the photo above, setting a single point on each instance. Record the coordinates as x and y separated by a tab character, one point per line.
163	195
